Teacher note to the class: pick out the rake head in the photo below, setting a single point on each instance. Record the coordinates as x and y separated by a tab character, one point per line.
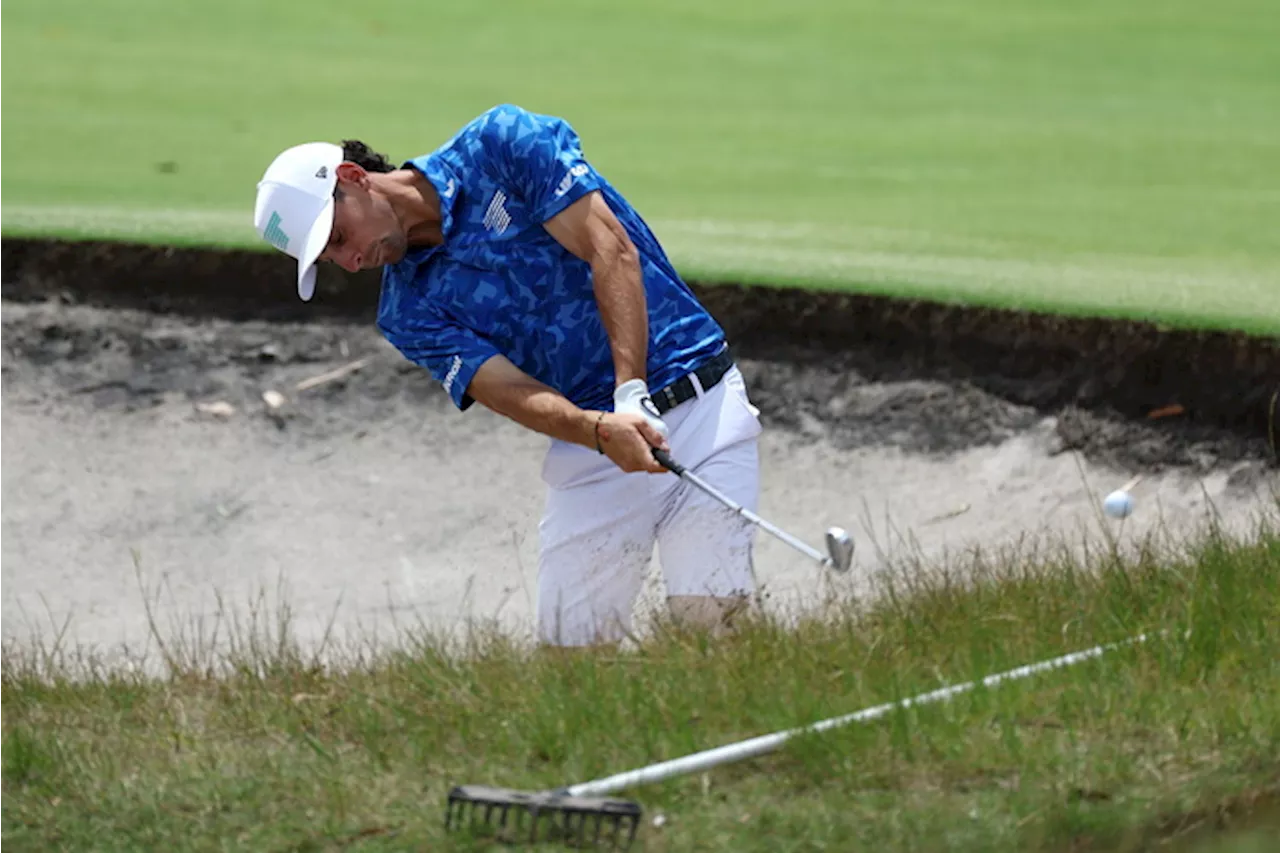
520	815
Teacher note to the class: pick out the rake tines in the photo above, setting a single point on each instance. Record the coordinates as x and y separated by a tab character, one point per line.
573	820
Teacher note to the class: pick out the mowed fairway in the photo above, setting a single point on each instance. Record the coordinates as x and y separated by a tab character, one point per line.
1091	157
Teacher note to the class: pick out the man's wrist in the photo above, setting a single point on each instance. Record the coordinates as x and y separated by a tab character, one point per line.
599	438
589	428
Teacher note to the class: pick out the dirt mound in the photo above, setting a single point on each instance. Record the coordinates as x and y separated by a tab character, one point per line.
854	370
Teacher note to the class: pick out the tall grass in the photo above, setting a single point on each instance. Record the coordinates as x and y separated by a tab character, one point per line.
260	743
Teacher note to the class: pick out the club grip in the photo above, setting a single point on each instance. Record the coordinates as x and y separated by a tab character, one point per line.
667	462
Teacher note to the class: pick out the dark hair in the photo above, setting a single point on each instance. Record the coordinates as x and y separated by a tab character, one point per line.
365	157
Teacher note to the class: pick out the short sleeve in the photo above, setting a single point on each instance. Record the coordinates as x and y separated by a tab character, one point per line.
540	158
450	352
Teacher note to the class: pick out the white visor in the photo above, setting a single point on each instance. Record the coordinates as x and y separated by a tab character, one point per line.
294	208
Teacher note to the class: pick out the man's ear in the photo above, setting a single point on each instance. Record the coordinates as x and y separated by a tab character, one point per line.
352	173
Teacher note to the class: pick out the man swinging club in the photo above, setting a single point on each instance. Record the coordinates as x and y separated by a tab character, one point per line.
521	279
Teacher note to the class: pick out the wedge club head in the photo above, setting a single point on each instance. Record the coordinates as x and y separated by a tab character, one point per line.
839	549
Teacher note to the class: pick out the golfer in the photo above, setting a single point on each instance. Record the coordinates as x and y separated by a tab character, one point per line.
523	280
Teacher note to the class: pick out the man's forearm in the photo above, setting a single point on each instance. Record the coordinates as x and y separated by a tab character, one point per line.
619	290
543	409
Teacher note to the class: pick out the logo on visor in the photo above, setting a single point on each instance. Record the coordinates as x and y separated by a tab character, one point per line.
323	173
274	234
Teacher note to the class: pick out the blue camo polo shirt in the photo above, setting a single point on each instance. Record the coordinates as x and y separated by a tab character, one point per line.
500	284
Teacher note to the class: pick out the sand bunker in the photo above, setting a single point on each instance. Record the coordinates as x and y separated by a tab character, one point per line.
368	504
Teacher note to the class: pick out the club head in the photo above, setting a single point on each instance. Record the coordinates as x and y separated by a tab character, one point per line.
839	549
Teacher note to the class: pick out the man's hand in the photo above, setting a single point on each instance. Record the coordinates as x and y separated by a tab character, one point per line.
628	439
632	397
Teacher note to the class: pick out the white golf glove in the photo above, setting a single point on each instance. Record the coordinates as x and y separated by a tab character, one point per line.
633	396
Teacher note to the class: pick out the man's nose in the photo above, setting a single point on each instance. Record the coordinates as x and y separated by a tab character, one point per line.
350	261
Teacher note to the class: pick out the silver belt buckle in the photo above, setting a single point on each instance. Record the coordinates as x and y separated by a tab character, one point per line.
670	397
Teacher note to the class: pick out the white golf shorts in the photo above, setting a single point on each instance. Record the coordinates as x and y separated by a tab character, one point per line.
600	525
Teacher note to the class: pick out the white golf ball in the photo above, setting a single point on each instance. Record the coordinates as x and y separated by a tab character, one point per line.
1118	504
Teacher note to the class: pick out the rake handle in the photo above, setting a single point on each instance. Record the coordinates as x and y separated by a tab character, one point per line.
767	743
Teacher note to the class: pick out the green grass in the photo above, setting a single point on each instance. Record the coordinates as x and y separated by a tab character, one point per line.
1087	158
260	746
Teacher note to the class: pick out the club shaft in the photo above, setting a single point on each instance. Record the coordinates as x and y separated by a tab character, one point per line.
750	516
767	743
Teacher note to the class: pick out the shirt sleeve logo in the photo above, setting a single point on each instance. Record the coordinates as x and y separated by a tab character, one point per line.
576	172
452	374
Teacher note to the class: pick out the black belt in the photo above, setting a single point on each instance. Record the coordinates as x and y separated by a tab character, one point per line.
683	388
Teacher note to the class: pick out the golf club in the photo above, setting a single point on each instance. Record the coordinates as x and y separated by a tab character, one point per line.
839	554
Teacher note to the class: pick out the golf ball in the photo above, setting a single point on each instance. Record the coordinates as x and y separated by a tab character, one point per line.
1118	504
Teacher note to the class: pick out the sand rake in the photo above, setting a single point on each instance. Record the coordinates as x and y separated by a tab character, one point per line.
583	814
561	816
